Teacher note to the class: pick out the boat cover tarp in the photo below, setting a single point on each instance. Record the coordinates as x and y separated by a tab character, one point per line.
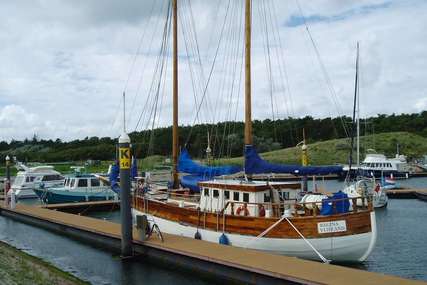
115	172
340	206
191	181
254	164
187	165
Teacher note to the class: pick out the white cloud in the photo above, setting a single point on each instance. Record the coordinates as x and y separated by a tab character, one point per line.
64	64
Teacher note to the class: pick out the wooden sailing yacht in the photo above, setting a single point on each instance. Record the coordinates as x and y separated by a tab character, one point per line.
257	214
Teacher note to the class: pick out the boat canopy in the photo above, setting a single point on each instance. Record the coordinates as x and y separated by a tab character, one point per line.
115	172
254	164
192	182
187	165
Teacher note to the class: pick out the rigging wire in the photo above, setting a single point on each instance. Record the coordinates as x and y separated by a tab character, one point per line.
145	62
133	61
323	68
236	41
210	73
159	59
267	57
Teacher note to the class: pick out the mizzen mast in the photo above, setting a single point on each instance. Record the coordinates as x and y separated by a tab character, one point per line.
175	95
248	108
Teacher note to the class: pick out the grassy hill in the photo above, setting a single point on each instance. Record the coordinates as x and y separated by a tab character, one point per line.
337	151
320	153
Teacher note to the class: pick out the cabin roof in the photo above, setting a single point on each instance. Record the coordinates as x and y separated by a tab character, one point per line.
248	186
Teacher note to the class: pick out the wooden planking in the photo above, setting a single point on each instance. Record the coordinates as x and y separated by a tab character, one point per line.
357	223
283	267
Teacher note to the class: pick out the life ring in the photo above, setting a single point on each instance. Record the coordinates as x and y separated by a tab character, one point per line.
240	209
261	211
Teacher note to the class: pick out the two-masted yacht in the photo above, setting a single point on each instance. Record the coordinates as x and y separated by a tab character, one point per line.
259	215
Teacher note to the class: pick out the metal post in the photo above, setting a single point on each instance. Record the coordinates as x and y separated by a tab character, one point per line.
7	184
125	210
304	160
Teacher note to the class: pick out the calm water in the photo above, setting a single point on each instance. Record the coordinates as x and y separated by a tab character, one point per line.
400	250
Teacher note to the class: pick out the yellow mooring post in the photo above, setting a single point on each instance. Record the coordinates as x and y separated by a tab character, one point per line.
125	185
7	182
304	160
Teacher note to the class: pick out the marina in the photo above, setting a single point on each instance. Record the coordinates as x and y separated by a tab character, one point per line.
107	234
392	223
200	158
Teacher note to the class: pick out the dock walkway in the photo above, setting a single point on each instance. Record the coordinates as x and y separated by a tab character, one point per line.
404	193
255	266
85	207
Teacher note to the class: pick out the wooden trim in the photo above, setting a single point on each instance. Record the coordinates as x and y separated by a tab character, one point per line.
357	223
248	187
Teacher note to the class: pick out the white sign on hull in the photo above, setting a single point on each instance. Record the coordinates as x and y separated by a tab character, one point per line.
332	227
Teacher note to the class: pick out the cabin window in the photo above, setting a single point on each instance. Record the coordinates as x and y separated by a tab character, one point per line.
52	177
30	179
206	191
285	195
246	197
82	183
73	182
215	193
266	197
227	194
236	196
94	182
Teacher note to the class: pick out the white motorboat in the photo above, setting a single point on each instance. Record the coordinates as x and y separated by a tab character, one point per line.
27	177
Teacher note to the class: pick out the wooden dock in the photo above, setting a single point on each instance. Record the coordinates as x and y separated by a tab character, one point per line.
404	193
84	207
231	263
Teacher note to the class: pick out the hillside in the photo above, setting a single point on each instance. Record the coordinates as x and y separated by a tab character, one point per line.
320	153
337	150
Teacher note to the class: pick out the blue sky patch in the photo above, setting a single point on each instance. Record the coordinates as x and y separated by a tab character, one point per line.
297	20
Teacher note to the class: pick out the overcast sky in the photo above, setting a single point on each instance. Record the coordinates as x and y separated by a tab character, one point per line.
64	64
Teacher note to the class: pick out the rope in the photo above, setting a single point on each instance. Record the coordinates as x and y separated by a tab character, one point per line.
299	233
312	247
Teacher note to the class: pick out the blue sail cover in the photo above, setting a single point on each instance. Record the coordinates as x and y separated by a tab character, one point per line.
254	164
115	173
187	165
192	181
200	172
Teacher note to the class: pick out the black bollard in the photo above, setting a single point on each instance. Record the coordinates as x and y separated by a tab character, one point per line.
125	208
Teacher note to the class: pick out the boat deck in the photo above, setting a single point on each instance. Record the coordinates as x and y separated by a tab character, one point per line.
287	269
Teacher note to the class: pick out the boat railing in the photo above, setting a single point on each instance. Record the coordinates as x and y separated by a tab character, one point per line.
294	208
270	209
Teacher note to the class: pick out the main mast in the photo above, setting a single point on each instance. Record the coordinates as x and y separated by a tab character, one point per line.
358	109
248	108
175	95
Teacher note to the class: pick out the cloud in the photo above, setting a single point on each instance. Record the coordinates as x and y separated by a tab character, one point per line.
65	64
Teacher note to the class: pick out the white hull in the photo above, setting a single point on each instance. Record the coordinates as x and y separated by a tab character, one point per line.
25	193
380	199
353	248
